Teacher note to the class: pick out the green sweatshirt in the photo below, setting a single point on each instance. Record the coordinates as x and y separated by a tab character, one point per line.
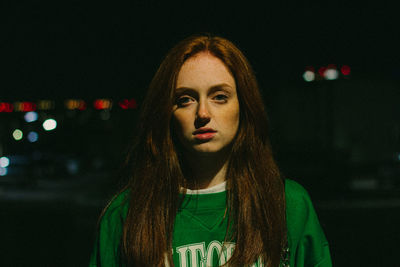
199	231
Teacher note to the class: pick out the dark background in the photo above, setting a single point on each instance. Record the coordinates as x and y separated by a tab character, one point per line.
339	138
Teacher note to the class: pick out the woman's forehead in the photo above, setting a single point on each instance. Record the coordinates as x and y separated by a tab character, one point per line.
204	70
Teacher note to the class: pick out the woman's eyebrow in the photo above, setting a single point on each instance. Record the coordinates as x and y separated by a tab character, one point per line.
182	90
223	87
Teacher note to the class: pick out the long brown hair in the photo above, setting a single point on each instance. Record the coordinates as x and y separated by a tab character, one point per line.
255	202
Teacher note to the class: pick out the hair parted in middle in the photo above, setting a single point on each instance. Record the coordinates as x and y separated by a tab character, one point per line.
255	188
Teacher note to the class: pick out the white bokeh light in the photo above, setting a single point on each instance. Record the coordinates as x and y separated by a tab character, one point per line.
331	74
309	76
4	162
49	124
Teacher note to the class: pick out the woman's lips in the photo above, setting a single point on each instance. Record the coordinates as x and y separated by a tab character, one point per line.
204	133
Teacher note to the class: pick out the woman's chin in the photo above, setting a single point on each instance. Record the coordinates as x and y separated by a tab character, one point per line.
207	149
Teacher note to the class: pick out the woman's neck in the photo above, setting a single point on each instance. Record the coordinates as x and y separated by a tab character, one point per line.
205	170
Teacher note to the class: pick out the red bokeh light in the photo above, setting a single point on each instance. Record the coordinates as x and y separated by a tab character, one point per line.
82	105
321	71
345	70
128	103
27	106
6	107
98	104
102	104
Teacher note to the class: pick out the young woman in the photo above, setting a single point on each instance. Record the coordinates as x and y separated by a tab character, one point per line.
204	189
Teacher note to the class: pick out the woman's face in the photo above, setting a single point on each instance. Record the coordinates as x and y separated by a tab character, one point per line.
206	109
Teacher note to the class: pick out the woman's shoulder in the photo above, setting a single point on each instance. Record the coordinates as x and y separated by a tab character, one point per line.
307	241
298	203
300	213
294	189
296	194
110	229
117	207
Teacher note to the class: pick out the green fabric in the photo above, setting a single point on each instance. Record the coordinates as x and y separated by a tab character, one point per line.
307	242
200	228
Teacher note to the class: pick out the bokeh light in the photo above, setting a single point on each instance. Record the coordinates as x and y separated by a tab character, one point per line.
128	103
46	104
345	70
49	124
102	104
3	171
24	106
33	137
31	116
309	76
72	104
4	162
6	107
331	74
17	134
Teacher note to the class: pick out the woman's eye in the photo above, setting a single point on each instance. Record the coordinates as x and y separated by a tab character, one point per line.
183	100
221	98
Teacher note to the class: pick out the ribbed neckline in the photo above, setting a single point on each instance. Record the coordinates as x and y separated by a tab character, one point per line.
210	201
214	189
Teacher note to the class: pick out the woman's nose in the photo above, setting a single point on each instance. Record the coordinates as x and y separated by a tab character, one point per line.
203	113
202	110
